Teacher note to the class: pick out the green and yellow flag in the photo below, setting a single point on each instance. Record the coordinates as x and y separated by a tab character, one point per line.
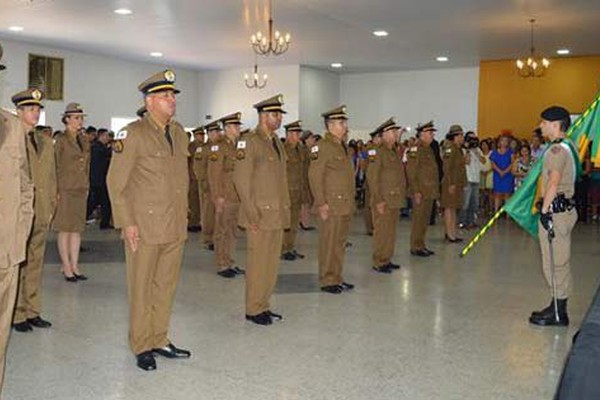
521	206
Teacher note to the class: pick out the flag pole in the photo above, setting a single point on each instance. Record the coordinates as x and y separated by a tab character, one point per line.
482	232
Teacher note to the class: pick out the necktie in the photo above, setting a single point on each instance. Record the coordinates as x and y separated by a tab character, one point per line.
168	137
273	140
33	142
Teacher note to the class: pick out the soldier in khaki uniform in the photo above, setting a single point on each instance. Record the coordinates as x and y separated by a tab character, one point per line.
454	180
331	178
422	174
72	152
148	186
194	193
261	182
387	182
16	209
558	215
367	210
207	209
221	164
40	152
296	161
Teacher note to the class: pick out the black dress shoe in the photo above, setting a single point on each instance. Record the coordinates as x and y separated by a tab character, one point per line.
420	253
80	277
260	319
39	322
298	255
382	269
288	256
347	286
210	247
194	228
333	289
307	228
71	278
146	361
274	316
391	265
24	326
227	273
170	351
238	271
431	252
547	316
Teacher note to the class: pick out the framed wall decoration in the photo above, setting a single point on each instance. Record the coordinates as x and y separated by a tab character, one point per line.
46	74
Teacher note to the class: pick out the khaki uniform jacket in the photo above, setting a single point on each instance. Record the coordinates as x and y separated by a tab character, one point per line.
295	172
192	151
306	193
40	151
454	166
422	172
72	163
260	178
148	181
558	158
331	176
16	191
386	177
200	165
221	165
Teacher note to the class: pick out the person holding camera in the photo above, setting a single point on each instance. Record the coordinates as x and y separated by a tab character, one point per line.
474	161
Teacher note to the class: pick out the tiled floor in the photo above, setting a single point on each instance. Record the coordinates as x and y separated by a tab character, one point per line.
440	328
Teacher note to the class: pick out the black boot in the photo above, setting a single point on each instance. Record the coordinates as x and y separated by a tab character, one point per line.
547	317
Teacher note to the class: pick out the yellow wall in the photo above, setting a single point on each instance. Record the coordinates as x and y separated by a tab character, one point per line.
507	101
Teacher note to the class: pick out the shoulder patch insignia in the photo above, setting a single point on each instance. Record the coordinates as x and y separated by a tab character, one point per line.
241	144
556	149
240	154
213	157
118	146
122	134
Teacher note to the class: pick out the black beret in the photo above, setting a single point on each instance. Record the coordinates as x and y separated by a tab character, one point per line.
555	113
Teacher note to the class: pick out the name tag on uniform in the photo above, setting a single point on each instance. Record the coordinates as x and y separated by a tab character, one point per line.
121	135
314	149
314	152
214	148
241	144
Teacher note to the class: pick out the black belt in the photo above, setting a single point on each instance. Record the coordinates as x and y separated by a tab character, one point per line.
562	204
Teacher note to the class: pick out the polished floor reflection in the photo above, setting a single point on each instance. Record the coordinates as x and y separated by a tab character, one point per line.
440	328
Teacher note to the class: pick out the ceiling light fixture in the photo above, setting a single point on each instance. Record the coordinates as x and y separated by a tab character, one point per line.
532	66
337	65
255	82
442	59
380	33
16	28
273	43
156	54
123	11
563	52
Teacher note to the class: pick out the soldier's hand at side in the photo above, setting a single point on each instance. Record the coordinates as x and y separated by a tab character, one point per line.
220	205
324	212
418	197
253	228
132	237
452	189
381	208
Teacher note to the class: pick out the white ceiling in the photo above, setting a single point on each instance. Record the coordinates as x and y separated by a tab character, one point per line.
211	34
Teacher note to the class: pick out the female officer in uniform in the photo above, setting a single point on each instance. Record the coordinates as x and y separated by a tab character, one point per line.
72	173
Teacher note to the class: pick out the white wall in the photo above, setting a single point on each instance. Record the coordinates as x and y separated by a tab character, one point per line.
448	96
319	92
105	87
223	92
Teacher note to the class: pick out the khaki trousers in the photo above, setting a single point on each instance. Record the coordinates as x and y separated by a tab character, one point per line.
419	223
208	215
563	226
225	229
9	280
289	236
333	234
384	235
368	212
261	269
194	202
29	297
152	275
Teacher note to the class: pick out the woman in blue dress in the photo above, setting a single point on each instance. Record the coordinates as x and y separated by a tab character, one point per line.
504	180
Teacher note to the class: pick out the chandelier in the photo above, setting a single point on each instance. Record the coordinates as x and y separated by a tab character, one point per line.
275	43
255	82
532	66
